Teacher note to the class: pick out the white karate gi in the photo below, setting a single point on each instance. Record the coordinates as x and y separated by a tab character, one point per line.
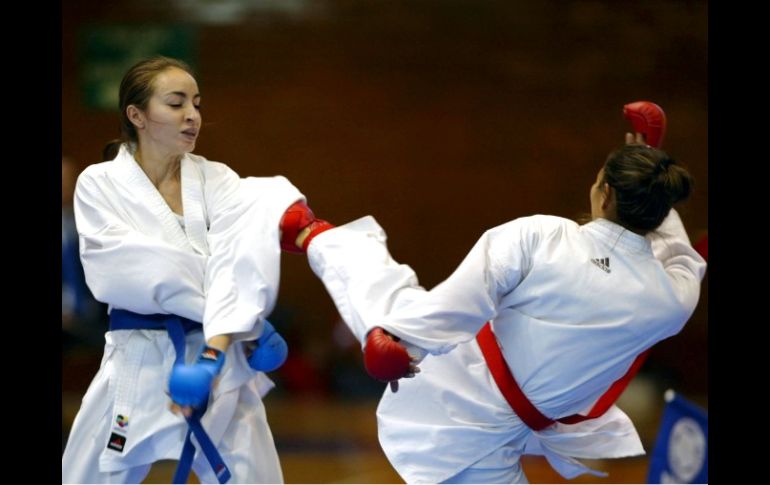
221	269
568	321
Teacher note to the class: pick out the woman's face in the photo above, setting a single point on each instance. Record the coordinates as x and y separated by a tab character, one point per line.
172	120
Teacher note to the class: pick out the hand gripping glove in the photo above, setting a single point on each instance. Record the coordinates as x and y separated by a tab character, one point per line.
648	119
296	218
384	358
271	350
190	385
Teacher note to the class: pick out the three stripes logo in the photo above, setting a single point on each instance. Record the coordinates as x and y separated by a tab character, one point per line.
602	263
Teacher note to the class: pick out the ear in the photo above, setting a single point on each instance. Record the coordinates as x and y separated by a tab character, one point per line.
135	116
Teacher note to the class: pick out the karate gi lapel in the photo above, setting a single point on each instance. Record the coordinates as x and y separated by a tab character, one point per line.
195	216
145	204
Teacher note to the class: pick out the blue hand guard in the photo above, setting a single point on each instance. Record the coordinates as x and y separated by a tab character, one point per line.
190	385
271	351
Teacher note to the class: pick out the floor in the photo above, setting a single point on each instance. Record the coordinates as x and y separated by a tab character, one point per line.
329	441
334	440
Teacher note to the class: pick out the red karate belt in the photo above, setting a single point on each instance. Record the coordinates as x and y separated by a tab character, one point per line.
519	402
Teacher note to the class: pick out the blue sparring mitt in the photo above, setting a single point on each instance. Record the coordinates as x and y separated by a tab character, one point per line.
190	385
271	350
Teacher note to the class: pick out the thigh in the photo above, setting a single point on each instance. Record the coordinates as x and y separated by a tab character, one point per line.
247	446
87	439
80	464
88	435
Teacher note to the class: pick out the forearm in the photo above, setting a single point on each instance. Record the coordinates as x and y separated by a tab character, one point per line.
440	319
671	246
243	271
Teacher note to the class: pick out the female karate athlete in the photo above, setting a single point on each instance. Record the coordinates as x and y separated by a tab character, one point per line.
572	310
187	255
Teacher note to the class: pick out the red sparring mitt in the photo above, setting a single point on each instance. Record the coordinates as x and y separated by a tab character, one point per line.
295	220
384	358
648	119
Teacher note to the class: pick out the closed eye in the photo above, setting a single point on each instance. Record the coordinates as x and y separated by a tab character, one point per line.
177	106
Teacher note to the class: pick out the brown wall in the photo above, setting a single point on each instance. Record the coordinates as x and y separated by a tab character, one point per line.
440	118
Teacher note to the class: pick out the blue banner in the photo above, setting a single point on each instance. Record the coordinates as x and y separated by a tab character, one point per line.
681	450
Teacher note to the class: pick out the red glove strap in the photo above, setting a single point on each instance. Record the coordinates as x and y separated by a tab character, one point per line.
316	227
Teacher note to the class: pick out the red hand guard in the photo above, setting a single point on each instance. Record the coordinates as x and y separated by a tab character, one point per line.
647	118
384	358
295	220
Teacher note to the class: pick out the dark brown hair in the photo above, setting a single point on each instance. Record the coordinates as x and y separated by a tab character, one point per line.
647	183
136	88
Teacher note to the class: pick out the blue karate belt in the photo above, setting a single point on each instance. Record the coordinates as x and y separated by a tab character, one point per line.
177	327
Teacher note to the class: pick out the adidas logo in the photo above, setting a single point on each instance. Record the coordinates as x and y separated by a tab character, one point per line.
603	263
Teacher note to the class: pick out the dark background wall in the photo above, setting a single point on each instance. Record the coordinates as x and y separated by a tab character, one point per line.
440	118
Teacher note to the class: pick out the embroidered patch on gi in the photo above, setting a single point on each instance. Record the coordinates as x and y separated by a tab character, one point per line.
117	442
121	421
603	263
